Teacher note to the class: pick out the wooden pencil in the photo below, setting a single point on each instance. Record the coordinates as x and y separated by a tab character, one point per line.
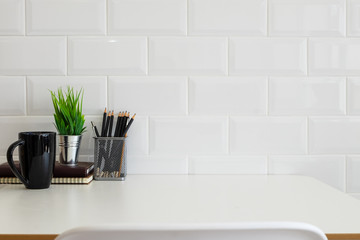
126	116
103	123
120	123
107	125
128	126
117	125
111	124
95	129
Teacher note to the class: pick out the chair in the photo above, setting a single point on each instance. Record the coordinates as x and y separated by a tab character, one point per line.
239	231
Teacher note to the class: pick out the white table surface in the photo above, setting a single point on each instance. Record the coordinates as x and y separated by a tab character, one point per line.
178	199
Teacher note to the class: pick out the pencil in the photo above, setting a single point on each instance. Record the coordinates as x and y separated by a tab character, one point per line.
96	131
103	123
122	128
107	125
117	125
121	123
128	126
111	123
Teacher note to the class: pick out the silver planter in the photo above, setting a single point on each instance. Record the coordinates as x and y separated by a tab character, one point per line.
69	149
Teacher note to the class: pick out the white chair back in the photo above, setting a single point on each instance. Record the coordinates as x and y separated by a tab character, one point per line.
240	231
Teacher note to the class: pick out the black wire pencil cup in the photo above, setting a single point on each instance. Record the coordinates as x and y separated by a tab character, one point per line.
110	148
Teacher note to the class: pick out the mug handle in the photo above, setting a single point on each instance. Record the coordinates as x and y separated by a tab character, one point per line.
10	160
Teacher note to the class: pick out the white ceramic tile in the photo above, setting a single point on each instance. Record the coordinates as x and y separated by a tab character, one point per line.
32	55
187	56
157	165
267	56
12	15
209	17
12	95
183	135
353	174
307	17
11	126
65	17
270	135
334	135
138	137
227	95
353	96
147	17
107	55
148	95
39	97
228	165
353	18
328	169
307	96
334	56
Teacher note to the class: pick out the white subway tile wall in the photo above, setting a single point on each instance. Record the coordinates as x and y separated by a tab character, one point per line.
12	17
307	17
267	56
144	17
219	86
307	96
62	17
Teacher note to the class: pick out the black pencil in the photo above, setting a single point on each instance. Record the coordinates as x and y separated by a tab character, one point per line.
124	122
103	123
121	123
128	126
106	125
111	123
117	125
96	131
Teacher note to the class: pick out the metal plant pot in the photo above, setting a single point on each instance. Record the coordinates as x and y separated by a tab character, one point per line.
69	149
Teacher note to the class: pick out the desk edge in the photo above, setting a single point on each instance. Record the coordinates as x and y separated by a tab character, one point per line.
330	236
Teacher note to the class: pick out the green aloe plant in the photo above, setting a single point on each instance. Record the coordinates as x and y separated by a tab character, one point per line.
68	116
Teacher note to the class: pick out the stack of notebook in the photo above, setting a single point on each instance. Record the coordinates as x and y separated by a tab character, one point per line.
82	173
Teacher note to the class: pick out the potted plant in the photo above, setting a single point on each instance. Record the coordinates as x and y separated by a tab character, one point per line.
69	121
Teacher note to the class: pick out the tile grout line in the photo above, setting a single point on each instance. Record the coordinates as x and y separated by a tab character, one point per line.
267	18
346	18
187	18
25	14
106	18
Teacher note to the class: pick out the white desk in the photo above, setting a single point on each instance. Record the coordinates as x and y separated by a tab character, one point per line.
177	199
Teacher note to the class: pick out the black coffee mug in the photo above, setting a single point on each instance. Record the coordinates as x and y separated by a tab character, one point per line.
37	151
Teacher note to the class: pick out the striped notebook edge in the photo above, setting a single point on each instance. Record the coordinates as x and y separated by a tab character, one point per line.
57	180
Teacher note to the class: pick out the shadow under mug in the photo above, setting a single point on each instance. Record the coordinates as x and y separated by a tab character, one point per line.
37	151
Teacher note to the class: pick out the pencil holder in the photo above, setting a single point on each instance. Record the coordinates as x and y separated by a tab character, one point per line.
110	158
